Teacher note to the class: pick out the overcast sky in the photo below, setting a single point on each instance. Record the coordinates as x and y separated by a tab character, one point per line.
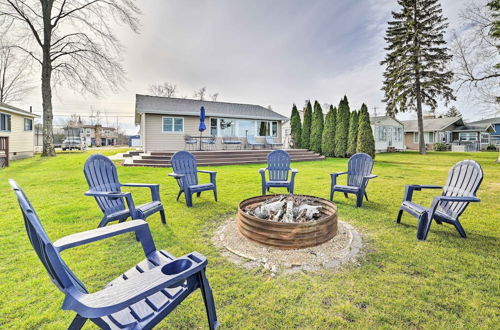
252	51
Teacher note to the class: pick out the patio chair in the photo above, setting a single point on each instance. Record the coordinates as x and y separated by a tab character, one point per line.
186	173
230	140
270	142
460	189
210	142
253	143
278	166
138	299
359	171
189	142
104	186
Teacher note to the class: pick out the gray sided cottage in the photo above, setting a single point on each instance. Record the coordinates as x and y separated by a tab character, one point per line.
164	121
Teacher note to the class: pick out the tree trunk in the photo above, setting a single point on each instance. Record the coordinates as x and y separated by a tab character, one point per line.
48	132
418	92
498	159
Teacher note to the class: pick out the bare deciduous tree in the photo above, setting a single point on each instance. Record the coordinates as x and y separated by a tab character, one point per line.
476	54
14	75
214	96
200	93
74	44
167	89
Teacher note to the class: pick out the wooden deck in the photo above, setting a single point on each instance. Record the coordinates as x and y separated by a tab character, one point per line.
219	157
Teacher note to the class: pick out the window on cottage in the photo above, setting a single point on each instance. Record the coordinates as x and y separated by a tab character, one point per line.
4	122
173	125
28	124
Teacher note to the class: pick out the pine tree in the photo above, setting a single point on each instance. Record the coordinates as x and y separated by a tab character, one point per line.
317	128
295	127
306	126
416	60
352	139
328	138
342	128
366	141
453	112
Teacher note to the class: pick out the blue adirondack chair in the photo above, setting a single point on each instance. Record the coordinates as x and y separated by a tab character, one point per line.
270	142
251	141
186	173
104	186
278	166
359	171
138	299
460	189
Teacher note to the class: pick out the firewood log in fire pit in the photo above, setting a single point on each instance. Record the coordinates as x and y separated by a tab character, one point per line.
288	209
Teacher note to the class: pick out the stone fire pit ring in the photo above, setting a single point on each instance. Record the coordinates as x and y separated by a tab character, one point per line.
288	235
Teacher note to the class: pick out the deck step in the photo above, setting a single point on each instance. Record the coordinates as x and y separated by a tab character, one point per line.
219	157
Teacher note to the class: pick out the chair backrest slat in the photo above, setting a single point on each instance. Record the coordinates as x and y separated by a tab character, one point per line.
101	175
57	269
464	179
359	165
278	165
184	162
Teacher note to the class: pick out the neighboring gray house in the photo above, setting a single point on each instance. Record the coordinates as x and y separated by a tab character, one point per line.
435	130
388	133
165	120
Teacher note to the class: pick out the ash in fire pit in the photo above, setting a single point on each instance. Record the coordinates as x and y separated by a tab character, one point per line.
287	208
287	221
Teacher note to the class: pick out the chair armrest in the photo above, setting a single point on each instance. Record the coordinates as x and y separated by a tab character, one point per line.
175	175
409	188
458	198
125	293
371	176
140	227
294	170
209	172
212	175
115	195
262	170
155	188
335	175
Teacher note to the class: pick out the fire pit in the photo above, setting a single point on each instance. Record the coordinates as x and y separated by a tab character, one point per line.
287	221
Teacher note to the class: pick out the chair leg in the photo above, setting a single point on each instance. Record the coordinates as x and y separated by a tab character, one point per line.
163	218
215	194
208	299
263	190
179	194
359	199
424	225
400	214
189	199
198	194
77	323
291	189
346	195
366	196
103	222
460	229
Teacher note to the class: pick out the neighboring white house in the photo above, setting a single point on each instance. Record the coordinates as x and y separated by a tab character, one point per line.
17	125
164	121
388	133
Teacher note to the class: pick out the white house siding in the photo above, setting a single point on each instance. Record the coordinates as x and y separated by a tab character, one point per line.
21	142
386	133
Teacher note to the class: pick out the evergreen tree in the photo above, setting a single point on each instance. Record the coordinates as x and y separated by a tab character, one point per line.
295	127
342	128
328	138
453	112
366	141
306	126
317	128
416	60
352	139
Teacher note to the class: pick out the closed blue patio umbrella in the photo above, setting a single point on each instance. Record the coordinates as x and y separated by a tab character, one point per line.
202	126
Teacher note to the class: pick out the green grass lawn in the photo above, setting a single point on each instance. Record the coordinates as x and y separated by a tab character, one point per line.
445	282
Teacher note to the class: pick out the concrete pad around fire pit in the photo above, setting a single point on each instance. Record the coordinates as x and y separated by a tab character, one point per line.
344	247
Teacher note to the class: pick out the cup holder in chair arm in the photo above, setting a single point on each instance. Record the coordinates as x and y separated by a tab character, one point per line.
177	266
184	267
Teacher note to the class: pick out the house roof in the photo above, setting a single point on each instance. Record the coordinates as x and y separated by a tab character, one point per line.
376	119
188	107
475	127
10	108
495	120
433	124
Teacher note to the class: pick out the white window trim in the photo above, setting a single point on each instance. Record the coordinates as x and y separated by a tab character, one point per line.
24	125
172	132
270	127
9	130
